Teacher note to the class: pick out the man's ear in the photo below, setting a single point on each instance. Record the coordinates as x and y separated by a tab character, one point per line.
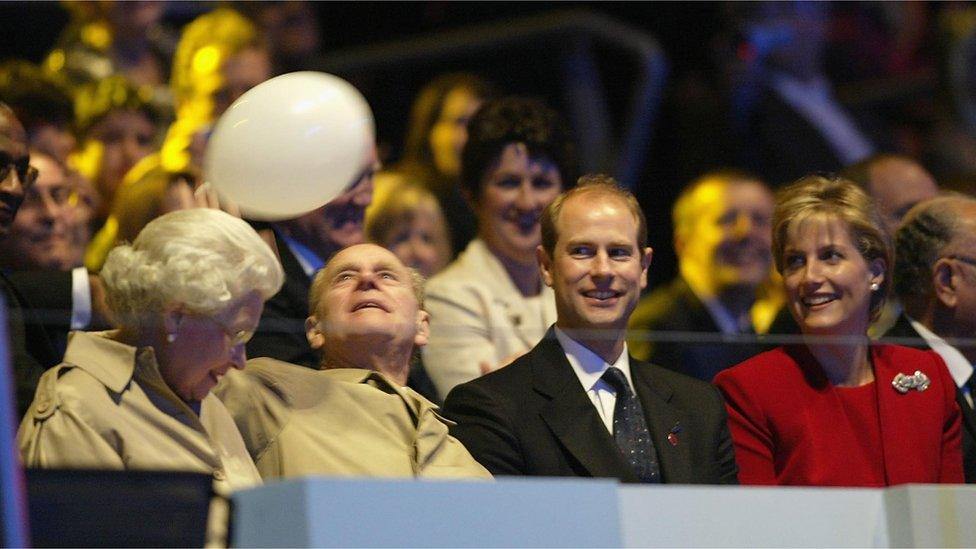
316	339
646	257
944	284
545	264
423	329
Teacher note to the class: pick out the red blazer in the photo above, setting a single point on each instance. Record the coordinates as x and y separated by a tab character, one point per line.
789	427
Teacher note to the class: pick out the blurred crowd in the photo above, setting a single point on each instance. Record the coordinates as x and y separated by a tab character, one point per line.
118	114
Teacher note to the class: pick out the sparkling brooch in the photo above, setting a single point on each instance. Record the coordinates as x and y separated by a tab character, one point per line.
903	383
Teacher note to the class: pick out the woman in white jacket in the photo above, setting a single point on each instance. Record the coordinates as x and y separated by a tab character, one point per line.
489	306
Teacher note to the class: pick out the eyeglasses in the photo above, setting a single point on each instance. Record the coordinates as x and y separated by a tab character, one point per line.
240	337
965	259
26	172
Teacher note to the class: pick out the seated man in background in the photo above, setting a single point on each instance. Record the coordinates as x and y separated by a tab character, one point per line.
935	278
577	404
722	237
48	234
354	416
896	183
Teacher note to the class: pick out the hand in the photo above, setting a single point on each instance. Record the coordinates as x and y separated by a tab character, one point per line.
181	195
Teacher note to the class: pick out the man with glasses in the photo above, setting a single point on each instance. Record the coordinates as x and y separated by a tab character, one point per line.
935	278
30	349
42	236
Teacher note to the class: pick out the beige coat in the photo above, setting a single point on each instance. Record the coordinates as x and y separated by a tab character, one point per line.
107	407
349	422
478	315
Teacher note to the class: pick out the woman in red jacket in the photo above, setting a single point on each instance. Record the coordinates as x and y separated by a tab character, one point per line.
837	410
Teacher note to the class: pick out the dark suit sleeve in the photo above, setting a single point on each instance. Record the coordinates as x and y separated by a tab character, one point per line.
484	427
281	334
49	295
724	449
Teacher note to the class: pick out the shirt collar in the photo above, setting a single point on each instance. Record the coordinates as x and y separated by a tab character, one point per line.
310	261
959	367
588	366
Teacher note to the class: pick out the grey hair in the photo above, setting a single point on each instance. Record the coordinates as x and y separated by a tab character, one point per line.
202	259
920	239
319	282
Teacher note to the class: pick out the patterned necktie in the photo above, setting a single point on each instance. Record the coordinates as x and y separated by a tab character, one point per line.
630	429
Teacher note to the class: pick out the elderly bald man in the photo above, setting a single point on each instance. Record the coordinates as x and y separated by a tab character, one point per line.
354	416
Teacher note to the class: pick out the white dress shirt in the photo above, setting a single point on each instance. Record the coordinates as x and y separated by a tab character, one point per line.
959	367
590	368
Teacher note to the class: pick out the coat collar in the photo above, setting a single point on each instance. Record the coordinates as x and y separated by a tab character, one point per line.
480	260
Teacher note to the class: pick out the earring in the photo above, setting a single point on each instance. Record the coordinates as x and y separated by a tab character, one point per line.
170	338
875	287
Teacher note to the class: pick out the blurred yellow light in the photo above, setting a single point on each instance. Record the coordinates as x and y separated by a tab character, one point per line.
206	60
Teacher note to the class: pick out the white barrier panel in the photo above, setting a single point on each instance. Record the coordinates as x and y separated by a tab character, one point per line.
931	516
713	516
325	512
527	512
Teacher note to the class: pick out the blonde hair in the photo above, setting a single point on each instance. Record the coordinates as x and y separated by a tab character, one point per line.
841	199
201	258
397	201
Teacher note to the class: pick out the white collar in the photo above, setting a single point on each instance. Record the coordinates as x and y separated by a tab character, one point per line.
588	366
959	366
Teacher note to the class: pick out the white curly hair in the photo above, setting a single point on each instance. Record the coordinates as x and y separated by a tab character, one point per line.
202	259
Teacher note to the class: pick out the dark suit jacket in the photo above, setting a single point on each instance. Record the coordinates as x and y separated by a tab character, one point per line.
31	348
676	308
533	417
904	329
281	331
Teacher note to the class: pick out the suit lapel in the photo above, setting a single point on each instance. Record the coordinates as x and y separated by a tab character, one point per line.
571	415
663	420
297	282
968	415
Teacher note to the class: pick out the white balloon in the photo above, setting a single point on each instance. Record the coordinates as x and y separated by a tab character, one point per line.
290	144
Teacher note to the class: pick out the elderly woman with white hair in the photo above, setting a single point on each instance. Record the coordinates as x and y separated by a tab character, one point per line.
187	295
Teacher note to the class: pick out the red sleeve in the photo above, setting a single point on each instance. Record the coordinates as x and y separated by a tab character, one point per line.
750	433
951	471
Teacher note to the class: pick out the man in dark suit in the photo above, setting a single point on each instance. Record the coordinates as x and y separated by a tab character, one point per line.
577	404
935	278
722	236
31	349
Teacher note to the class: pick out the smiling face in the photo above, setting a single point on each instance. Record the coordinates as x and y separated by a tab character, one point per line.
514	192
205	348
366	294
726	240
828	282
341	222
42	232
597	270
